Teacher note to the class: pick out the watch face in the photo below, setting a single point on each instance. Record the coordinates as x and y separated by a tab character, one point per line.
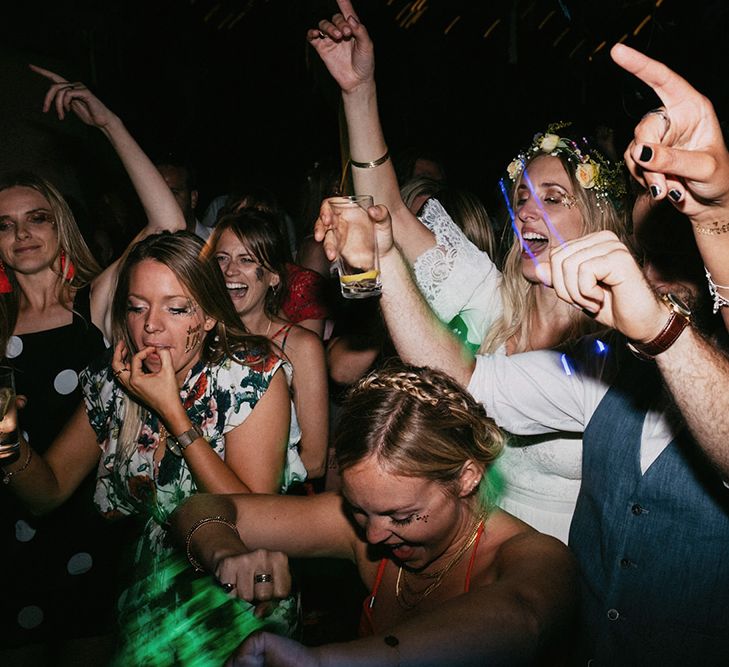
678	304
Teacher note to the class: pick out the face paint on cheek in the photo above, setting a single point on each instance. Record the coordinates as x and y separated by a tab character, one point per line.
569	201
193	338
259	274
422	517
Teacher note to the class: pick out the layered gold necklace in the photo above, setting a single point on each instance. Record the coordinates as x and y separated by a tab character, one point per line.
403	590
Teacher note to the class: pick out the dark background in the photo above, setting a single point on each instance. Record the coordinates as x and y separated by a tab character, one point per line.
233	85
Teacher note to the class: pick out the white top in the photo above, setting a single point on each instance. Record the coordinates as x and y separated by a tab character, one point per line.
456	277
544	392
541	478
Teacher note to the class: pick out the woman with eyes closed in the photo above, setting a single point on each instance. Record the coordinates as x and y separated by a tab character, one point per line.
54	315
453	581
573	191
250	251
190	401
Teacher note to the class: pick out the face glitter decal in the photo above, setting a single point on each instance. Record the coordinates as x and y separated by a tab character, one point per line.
193	337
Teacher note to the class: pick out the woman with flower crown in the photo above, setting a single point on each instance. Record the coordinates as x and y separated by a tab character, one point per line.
560	191
453	580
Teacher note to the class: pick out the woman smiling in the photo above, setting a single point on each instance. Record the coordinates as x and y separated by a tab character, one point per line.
453	581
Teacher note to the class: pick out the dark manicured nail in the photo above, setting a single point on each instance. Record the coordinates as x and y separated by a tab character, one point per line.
655	191
675	195
646	153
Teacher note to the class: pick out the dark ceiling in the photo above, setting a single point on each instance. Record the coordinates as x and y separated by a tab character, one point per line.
233	84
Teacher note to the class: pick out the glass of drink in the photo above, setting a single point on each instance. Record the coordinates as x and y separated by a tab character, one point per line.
9	444
358	263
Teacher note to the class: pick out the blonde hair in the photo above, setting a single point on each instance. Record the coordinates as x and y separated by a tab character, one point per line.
417	422
70	243
518	295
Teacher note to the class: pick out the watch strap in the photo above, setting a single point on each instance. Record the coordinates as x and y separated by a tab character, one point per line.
673	328
178	443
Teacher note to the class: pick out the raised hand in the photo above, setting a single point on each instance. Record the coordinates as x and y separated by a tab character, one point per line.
598	274
345	47
327	232
66	96
678	150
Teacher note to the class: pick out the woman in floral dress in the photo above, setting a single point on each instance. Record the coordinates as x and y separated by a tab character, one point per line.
190	402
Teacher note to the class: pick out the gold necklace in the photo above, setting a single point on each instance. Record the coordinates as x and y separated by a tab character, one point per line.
438	575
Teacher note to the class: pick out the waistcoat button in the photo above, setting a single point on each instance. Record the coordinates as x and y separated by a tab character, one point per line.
625	563
613	614
636	509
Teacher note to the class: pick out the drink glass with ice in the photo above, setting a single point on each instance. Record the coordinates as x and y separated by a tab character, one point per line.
358	263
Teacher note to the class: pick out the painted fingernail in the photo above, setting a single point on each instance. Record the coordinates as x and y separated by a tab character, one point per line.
646	153
655	191
675	195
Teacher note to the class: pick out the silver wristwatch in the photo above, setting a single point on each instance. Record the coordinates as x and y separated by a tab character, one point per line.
177	444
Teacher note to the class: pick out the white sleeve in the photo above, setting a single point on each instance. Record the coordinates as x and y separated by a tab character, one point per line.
539	392
456	277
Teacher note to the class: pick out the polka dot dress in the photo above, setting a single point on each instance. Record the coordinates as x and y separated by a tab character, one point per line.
63	565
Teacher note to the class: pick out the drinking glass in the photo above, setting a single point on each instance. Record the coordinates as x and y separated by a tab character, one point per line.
358	263
9	444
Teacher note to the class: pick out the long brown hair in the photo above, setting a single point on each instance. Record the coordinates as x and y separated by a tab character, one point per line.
70	242
260	233
182	253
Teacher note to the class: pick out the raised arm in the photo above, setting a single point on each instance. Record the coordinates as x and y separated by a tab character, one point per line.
162	211
419	337
678	152
346	49
598	273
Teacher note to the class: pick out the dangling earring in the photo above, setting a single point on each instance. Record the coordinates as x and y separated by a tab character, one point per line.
5	286
71	270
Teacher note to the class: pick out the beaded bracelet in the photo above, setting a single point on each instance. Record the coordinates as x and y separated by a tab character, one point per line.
373	164
7	476
719	300
198	524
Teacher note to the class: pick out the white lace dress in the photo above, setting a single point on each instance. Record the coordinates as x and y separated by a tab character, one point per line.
541	477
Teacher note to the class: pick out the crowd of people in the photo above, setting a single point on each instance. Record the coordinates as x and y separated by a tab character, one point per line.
521	447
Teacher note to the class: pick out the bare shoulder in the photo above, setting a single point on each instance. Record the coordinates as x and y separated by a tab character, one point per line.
303	342
519	549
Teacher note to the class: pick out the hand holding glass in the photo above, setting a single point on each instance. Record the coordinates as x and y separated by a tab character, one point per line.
9	444
358	262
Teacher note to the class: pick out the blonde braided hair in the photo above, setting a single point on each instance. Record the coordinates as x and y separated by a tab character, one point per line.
418	422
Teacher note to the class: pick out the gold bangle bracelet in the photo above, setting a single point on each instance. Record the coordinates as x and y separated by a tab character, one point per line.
373	164
199	524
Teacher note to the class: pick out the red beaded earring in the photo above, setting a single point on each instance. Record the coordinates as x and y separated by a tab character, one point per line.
71	270
5	286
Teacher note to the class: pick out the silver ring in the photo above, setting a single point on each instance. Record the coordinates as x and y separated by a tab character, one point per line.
660	111
120	371
263	579
321	35
228	588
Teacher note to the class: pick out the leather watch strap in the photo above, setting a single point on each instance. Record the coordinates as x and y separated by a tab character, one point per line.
679	319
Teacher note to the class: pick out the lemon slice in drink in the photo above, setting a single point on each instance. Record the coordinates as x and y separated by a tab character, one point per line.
357	277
